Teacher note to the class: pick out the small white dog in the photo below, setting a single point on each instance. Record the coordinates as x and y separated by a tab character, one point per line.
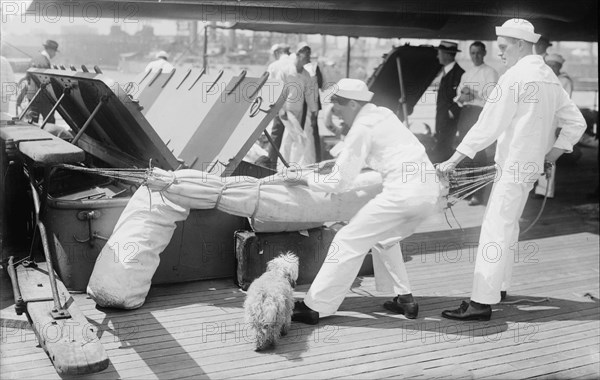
270	300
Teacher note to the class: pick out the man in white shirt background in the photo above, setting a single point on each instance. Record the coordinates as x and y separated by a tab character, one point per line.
161	62
476	84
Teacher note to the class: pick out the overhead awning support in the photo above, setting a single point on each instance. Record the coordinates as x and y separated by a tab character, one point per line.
348	58
402	99
205	50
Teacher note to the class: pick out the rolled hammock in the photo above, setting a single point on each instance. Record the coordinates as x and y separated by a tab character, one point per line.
270	200
124	269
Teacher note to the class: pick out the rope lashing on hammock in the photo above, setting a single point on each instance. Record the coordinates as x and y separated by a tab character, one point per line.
134	175
463	181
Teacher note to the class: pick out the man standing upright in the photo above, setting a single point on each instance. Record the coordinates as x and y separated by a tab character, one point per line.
41	105
288	130
541	47
556	62
446	114
281	52
161	62
528	106
473	91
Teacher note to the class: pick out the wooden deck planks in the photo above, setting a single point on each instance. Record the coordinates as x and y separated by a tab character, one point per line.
182	329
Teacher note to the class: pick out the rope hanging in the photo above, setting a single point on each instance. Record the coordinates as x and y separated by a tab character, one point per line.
466	181
135	175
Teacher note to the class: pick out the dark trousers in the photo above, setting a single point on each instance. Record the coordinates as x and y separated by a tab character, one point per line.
468	118
444	144
277	136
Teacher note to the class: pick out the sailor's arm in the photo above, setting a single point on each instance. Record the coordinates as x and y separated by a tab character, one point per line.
572	126
494	119
347	166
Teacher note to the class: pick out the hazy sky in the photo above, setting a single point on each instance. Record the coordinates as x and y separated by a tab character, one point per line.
16	21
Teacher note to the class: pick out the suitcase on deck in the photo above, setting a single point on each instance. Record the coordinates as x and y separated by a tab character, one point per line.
254	249
201	246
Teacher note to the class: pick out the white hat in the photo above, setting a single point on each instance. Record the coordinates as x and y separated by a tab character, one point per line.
302	45
280	46
449	46
518	28
353	89
555	58
162	54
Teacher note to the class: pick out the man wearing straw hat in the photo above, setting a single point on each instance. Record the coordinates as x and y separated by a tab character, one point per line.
446	111
376	138
43	60
523	114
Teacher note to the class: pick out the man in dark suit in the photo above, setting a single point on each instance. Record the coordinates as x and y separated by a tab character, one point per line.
447	111
42	61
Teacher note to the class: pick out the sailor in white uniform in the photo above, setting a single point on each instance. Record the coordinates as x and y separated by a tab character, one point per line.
377	139
523	115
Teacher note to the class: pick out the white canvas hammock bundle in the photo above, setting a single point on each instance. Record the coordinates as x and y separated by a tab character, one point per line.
263	199
123	272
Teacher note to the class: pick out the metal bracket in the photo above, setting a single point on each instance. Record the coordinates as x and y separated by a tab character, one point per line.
20	306
92	235
255	107
60	314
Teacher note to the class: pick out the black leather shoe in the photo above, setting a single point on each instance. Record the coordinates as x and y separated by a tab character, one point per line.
502	295
468	312
304	314
409	309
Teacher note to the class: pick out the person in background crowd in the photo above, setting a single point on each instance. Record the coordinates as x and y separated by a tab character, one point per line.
277	70
446	114
475	86
41	105
556	62
295	146
161	62
317	83
281	52
542	46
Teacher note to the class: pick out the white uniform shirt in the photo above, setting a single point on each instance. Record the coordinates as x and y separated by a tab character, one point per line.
566	82
380	141
160	64
523	114
481	80
300	89
276	68
299	85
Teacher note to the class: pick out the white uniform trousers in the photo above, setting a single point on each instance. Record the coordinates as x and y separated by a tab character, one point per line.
385	220
498	240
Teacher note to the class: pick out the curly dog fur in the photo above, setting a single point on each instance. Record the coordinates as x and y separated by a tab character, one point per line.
270	300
